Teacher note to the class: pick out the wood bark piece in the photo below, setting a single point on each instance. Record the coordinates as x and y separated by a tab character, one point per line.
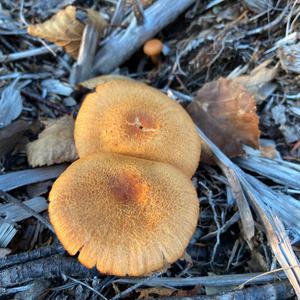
123	45
35	254
50	267
215	280
16	179
81	70
275	291
15	213
287	173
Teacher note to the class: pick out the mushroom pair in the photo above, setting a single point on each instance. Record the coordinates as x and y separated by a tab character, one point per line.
128	204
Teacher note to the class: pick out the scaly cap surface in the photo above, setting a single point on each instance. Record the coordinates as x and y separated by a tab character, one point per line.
131	118
126	216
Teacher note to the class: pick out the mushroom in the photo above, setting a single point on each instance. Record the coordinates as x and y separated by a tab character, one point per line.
93	82
125	215
153	49
131	118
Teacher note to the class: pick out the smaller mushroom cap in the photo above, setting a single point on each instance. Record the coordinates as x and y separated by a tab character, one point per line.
153	47
126	216
131	118
93	82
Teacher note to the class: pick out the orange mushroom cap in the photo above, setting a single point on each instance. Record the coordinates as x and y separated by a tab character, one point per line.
131	118
126	216
153	47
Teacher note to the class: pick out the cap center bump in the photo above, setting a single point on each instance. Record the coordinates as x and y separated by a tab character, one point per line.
139	123
129	188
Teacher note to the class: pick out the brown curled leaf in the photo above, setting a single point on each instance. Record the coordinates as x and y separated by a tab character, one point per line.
226	112
65	30
54	145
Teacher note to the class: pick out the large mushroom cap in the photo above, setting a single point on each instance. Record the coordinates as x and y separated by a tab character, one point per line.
126	216
131	118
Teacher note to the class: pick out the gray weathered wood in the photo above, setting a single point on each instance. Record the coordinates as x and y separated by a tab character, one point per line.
214	280
27	53
280	171
121	46
83	67
14	213
14	180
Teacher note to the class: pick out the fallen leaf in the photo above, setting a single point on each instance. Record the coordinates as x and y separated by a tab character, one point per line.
54	145
157	292
11	104
258	81
226	112
65	30
197	290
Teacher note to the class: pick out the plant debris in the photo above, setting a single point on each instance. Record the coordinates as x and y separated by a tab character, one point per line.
65	30
54	145
226	112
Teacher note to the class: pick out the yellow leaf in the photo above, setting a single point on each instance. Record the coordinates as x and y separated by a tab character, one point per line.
54	145
65	30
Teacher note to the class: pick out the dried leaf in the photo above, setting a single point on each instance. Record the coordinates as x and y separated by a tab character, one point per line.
156	291
226	112
11	104
258	81
65	30
54	145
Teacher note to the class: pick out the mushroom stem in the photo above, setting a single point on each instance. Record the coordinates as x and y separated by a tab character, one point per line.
155	59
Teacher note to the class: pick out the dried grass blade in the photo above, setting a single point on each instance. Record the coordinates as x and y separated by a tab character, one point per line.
275	231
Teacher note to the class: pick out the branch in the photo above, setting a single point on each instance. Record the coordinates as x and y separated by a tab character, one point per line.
17	179
276	291
45	268
123	45
24	257
215	280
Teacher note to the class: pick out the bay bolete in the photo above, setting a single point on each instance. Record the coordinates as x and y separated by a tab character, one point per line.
125	215
131	118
